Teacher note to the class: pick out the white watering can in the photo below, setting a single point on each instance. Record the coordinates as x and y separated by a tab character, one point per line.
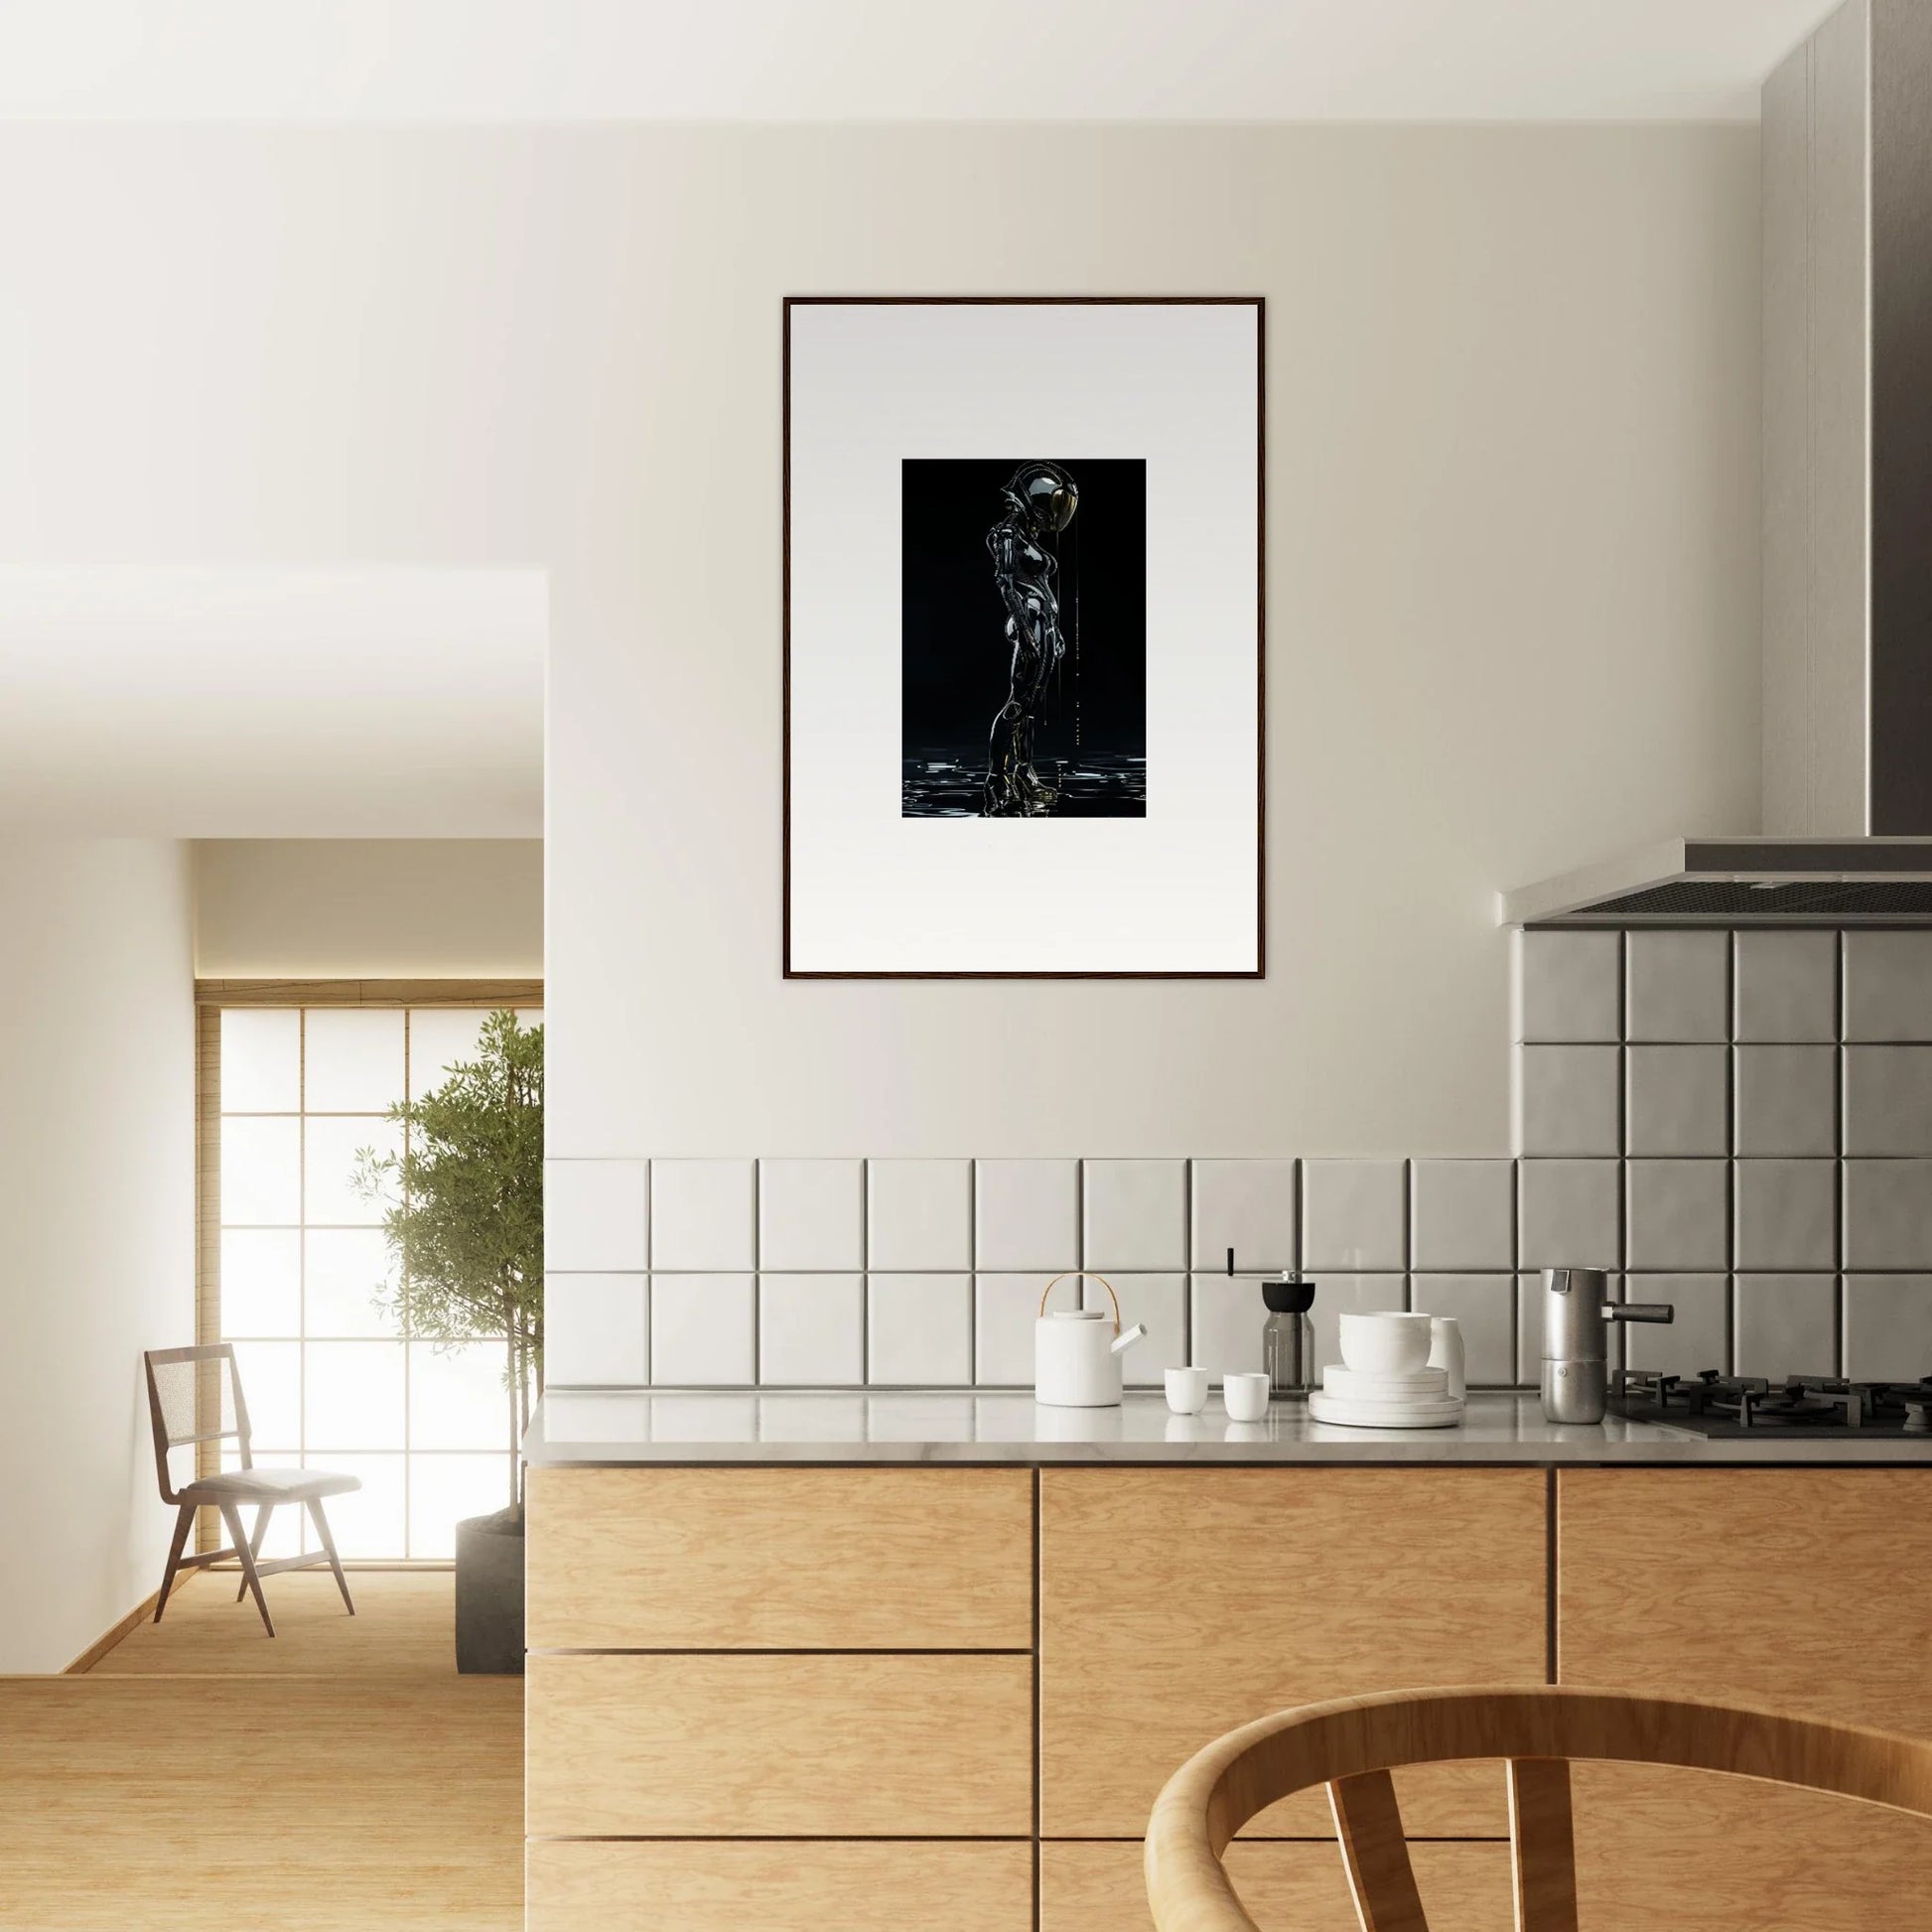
1078	1351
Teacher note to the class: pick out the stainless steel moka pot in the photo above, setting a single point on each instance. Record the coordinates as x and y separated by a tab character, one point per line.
1577	1317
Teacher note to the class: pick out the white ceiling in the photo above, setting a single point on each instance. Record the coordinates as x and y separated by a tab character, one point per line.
894	59
185	703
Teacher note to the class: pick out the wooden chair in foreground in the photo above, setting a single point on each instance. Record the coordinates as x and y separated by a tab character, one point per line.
195	1396
1352	1744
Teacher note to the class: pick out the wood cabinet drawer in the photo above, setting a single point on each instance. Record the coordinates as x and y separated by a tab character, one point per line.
814	1886
734	1746
758	1559
1098	1887
1176	1604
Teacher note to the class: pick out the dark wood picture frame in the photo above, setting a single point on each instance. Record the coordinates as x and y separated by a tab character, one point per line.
1259	304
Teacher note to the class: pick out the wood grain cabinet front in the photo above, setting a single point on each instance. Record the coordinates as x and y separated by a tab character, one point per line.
782	1887
1176	1604
788	1746
1807	1590
778	1559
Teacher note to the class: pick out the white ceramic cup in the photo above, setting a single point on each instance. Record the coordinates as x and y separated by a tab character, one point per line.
1246	1394
1445	1352
1187	1390
1385	1343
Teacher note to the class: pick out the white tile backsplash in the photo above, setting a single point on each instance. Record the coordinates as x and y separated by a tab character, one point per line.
1246	1205
919	1215
1888	1214
1698	1335
921	1330
1569	986
1677	985
811	1215
1787	1324
1462	1214
703	1330
1566	1101
1785	1216
596	1329
1160	1301
703	1215
1134	1215
1677	1215
811	1331
1005	1308
595	1215
1227	1319
1888	986
1354	1216
1887	1327
1026	1215
1786	986
1484	1307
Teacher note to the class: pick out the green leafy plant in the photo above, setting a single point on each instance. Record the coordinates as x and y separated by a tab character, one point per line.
463	1206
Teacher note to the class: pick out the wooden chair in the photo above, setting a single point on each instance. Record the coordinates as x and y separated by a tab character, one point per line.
1352	1744
195	1396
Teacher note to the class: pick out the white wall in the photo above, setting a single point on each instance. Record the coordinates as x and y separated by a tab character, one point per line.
315	909
98	1201
1512	567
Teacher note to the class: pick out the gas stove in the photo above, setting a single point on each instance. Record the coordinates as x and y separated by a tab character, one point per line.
1717	1405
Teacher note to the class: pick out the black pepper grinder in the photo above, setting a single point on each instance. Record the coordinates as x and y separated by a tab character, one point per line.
1288	1336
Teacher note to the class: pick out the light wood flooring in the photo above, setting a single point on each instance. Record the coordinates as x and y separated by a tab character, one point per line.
339	1777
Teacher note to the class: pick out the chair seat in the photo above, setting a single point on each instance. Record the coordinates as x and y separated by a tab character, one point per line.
268	1486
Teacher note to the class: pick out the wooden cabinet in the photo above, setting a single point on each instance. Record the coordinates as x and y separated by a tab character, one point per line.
789	1887
1098	1887
1807	1590
763	1559
1178	1603
733	1746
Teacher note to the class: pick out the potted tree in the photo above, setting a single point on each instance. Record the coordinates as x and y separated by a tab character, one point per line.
463	1212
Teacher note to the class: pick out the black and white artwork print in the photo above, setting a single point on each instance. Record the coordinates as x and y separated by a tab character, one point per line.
1022	649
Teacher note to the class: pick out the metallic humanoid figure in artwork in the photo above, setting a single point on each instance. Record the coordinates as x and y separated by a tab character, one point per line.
1041	499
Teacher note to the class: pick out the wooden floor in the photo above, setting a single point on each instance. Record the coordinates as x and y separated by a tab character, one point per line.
338	1778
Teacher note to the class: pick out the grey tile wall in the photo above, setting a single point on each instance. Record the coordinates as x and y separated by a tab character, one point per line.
1772	1171
1740	1124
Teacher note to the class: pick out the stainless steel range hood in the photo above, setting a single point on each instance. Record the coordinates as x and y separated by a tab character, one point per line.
1846	795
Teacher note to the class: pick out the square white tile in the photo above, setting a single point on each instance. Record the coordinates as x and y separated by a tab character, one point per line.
811	1331
702	1330
1677	985
1568	1214
1161	1303
1135	1214
703	1216
1786	1216
919	1215
1227	1319
1888	1214
1484	1307
1677	1100
921	1329
1785	986
595	1215
811	1215
1569	986
596	1330
1246	1205
1005	1308
1350	1293
1787	1324
1677	1216
1566	1101
1698	1336
1354	1216
1786	1100
1462	1214
1888	986
1887	1327
1889	1100
1026	1215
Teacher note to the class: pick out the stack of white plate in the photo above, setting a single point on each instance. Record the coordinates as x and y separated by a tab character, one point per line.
1382	1381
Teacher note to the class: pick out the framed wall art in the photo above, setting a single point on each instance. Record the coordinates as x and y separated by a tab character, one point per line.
1024	637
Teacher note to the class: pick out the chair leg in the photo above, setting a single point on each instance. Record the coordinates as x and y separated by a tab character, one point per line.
255	1544
328	1544
231	1515
184	1522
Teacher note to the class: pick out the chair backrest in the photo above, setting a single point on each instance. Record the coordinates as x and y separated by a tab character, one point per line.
194	1396
1351	1746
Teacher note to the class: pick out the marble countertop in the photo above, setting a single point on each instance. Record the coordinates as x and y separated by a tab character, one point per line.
624	1426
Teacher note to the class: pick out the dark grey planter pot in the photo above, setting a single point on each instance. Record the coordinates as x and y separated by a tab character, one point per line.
489	1594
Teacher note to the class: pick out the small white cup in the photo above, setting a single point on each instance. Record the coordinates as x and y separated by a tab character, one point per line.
1187	1390
1246	1394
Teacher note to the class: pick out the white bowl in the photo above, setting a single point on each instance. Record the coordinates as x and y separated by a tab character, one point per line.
1383	1344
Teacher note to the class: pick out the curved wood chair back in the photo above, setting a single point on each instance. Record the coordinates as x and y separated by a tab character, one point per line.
1352	1744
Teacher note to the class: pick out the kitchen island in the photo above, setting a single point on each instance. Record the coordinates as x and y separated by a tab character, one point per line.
864	1661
